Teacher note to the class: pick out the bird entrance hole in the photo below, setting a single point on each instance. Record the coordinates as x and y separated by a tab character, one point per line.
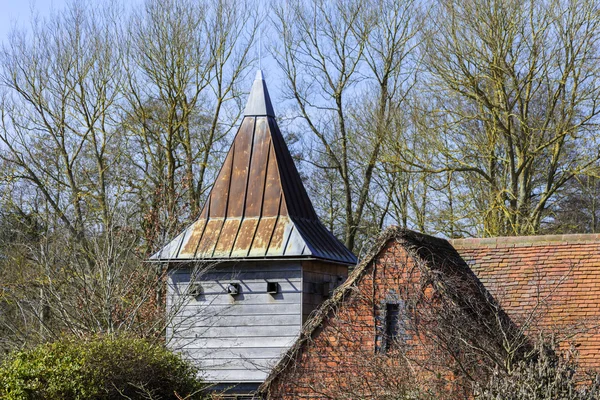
195	290
272	287
233	289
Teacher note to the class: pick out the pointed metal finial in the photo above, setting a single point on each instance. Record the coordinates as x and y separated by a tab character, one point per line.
259	102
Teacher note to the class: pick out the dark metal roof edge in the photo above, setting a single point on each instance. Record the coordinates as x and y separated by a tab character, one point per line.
331	244
274	258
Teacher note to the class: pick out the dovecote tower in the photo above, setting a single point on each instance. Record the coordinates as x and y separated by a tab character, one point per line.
271	260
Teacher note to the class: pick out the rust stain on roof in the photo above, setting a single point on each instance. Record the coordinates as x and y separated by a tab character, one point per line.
190	245
258	207
228	234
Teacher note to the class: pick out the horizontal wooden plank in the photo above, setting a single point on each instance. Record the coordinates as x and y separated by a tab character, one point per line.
232	364
239	375
258	264
180	341
250	276
236	353
237	321
292	273
237	332
291	270
242	298
238	309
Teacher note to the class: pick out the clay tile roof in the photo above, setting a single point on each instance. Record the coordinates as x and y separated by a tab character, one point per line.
545	283
258	207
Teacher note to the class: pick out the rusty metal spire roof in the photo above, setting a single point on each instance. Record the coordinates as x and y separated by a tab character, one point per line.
258	207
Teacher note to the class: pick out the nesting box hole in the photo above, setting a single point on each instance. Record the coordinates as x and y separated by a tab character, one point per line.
272	287
233	289
195	290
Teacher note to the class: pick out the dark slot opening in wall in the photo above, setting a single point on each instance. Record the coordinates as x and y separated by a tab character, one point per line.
392	315
326	289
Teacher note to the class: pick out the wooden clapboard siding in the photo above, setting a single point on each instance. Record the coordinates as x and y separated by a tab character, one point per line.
234	375
315	274
266	331
238	309
236	338
228	370
237	321
192	342
247	268
258	353
233	363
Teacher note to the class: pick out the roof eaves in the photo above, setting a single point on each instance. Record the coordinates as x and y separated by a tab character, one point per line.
518	241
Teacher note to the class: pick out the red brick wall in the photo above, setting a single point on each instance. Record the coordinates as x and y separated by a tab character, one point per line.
341	360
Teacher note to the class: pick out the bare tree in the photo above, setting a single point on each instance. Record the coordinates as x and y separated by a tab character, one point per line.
577	208
185	62
60	88
73	260
347	67
549	375
515	85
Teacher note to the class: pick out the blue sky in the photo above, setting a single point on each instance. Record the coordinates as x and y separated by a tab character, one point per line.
18	12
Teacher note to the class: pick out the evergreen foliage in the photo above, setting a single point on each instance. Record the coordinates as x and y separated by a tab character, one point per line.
97	368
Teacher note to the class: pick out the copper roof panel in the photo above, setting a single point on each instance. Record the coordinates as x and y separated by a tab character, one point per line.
219	194
241	247
239	172
209	238
298	202
273	193
276	246
258	206
258	168
227	238
192	238
262	237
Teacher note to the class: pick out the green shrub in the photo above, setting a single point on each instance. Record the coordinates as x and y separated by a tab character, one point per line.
98	368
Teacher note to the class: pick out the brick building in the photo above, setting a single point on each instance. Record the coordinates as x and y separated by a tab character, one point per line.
410	306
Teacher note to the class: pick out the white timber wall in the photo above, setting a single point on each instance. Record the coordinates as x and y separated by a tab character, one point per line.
235	338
